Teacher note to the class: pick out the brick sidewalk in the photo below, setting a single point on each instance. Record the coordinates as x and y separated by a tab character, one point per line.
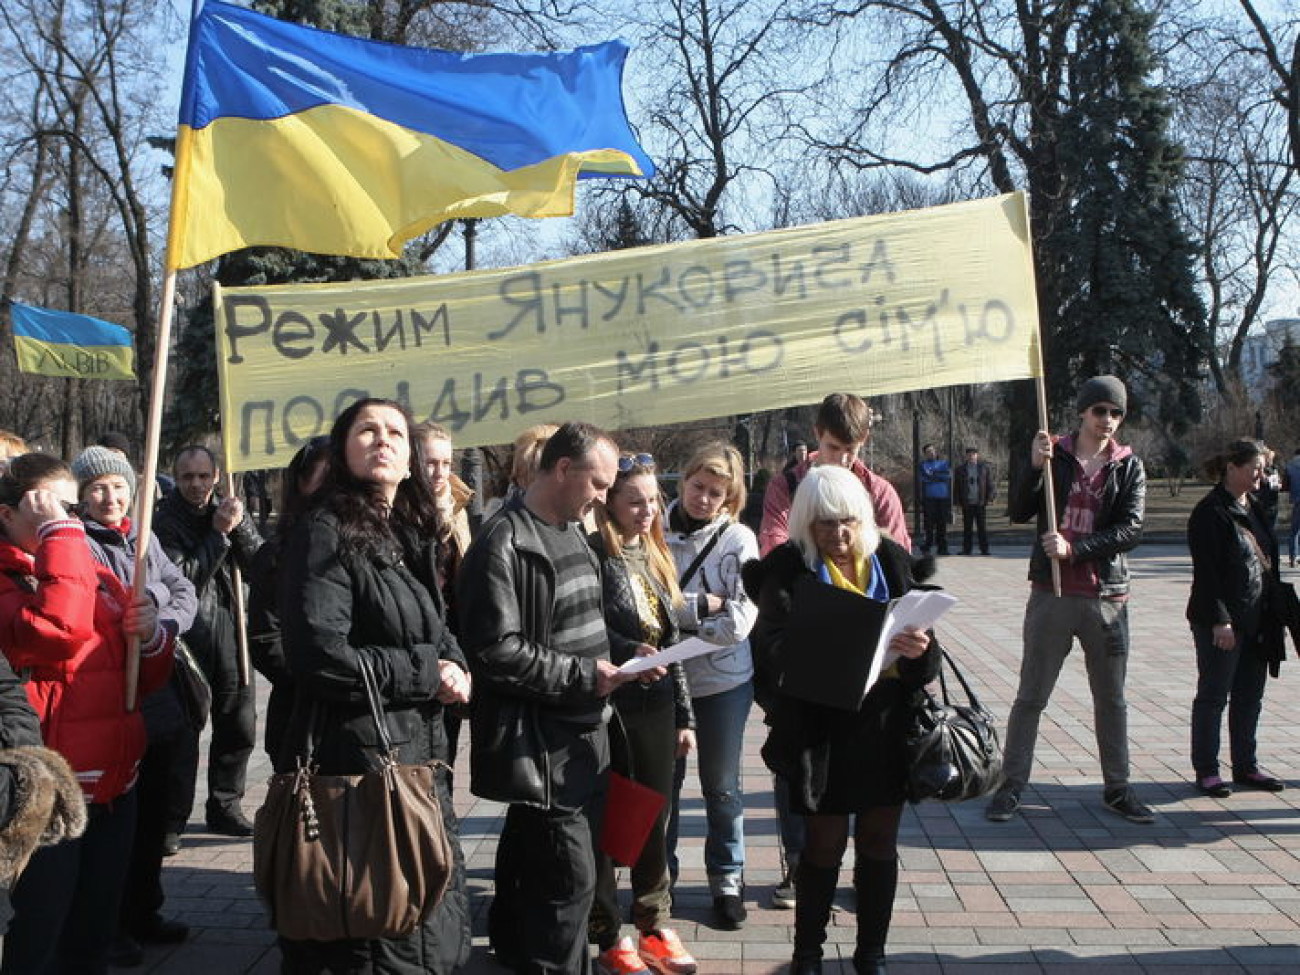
1211	887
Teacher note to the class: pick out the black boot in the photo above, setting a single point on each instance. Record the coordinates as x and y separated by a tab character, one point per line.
875	882
814	890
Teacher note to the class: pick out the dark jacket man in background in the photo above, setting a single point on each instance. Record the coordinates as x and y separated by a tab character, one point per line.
973	488
207	538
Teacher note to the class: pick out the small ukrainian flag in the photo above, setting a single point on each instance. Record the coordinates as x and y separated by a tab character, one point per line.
60	343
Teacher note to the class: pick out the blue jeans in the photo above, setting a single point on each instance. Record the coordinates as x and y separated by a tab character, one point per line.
719	736
1293	535
1235	679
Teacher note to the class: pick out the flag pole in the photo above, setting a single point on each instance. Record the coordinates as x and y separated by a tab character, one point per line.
241	612
144	497
1049	488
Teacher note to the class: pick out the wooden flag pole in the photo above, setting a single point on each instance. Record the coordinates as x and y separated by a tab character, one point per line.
149	475
1049	489
241	613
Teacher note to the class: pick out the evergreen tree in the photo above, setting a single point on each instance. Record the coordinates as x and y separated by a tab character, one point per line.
1127	300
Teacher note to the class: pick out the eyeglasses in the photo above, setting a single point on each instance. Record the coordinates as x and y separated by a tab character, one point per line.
629	461
1114	412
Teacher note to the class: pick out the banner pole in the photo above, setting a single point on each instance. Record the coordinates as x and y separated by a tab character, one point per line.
241	612
149	475
1049	489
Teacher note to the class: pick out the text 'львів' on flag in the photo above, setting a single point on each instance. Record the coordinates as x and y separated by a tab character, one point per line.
296	137
62	343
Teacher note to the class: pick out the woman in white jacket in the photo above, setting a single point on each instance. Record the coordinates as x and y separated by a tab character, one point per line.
709	547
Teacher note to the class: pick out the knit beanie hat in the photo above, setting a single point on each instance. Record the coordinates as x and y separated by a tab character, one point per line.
1102	389
95	462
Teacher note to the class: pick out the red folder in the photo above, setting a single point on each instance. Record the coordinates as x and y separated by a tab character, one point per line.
630	813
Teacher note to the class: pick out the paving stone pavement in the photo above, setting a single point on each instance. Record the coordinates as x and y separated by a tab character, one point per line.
1210	888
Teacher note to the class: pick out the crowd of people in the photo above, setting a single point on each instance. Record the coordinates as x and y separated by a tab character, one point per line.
524	628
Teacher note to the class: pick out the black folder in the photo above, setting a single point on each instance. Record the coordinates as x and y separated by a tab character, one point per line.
831	637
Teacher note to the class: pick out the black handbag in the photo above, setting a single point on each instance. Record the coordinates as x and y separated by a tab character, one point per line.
953	753
192	686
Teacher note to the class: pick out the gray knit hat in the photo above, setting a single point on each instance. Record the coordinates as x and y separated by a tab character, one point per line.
95	462
1102	389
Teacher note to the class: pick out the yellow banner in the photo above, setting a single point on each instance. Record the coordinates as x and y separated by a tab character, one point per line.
641	337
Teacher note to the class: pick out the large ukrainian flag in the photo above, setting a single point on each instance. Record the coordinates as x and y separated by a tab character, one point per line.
297	137
62	343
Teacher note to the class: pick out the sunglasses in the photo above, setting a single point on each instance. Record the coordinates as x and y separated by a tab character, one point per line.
1114	412
629	461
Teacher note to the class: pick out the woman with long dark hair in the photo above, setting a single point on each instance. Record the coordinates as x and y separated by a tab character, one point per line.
1234	557
358	579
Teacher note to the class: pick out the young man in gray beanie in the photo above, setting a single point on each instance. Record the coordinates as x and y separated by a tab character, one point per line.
1100	491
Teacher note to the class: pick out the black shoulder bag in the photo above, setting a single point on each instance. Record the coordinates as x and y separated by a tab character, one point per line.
953	753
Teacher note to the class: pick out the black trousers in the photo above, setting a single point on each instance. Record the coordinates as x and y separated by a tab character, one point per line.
66	902
166	778
545	867
234	730
936	512
972	520
645	752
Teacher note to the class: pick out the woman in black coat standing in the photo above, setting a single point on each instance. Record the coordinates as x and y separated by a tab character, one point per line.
1234	557
357	580
839	763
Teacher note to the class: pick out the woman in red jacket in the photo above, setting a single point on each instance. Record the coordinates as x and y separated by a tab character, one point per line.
64	625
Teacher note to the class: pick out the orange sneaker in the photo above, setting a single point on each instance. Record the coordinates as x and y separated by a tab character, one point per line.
662	951
622	959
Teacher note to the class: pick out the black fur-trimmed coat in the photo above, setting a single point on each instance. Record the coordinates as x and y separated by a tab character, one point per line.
836	761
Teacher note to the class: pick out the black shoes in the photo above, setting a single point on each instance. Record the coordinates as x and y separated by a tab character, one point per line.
228	821
125	952
1123	802
729	912
171	844
1259	781
160	931
1213	786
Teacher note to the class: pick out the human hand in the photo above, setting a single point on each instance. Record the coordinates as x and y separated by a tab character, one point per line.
229	513
1056	546
609	677
649	676
1041	449
685	742
40	507
455	685
1224	637
714	604
140	619
910	643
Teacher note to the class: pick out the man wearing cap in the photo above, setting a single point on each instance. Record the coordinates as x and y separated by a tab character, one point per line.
1100	492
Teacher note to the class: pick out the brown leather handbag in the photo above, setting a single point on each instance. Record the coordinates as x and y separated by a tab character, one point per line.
352	856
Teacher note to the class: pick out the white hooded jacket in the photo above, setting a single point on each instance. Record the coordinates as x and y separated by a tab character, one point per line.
719	575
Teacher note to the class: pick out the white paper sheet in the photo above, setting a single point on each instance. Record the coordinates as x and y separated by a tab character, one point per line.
919	608
688	648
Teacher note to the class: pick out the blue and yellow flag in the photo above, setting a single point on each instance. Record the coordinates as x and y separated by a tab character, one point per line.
61	343
296	137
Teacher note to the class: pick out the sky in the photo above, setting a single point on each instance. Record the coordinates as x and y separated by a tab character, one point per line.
517	241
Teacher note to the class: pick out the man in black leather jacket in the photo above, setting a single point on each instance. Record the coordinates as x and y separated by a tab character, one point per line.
533	631
207	538
1100	493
